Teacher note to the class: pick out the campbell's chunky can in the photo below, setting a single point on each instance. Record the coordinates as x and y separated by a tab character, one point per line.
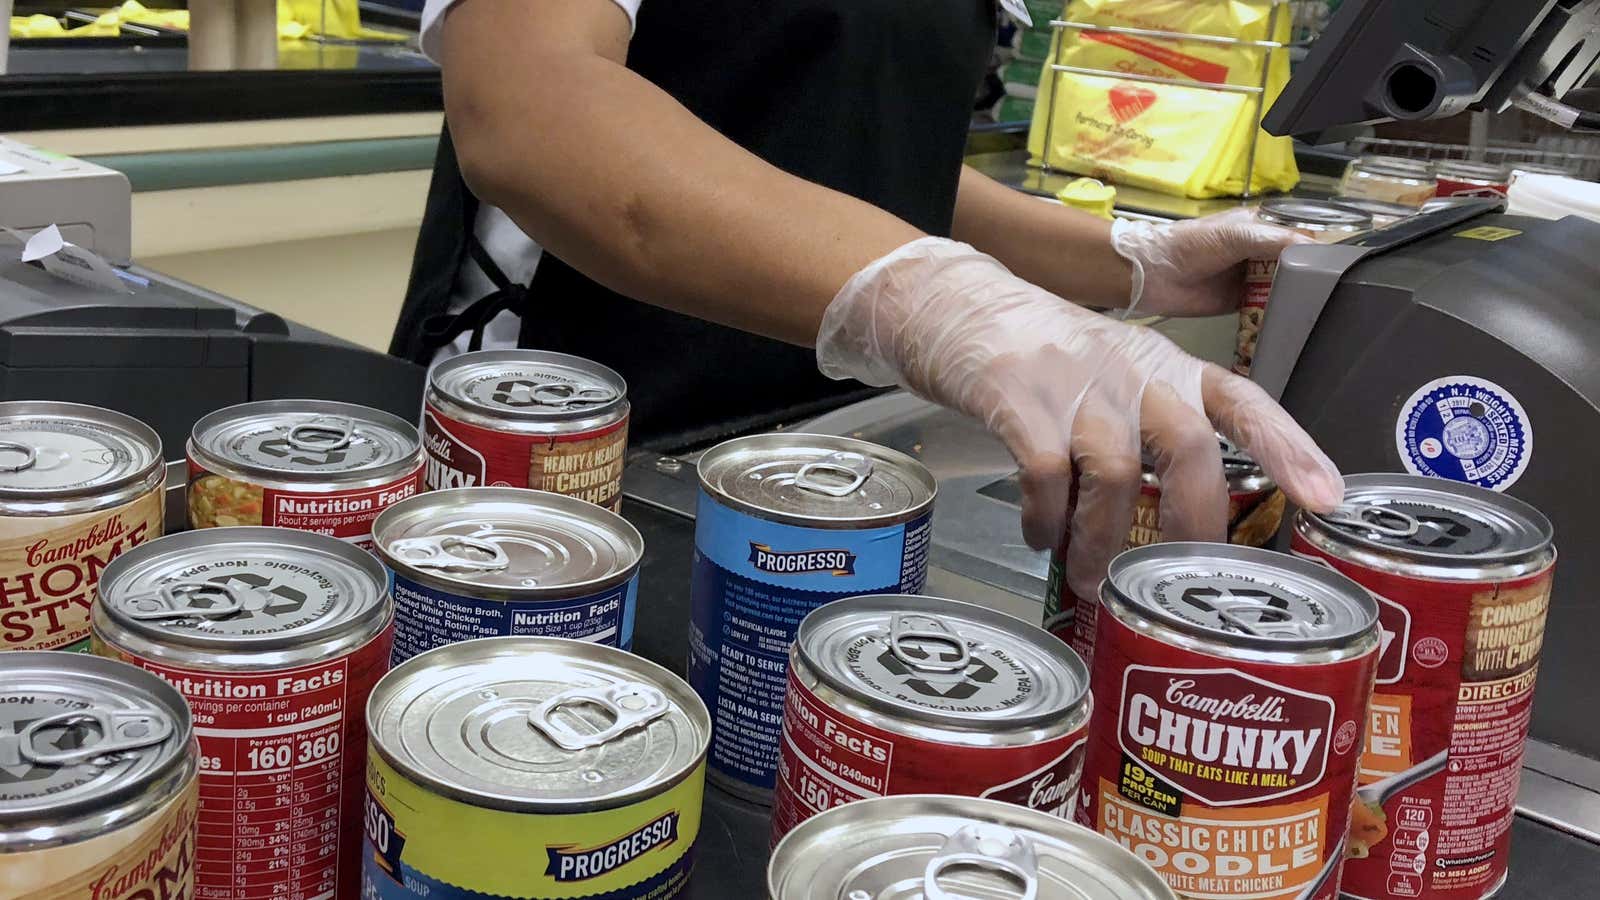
920	695
941	847
1323	221
532	767
527	419
1462	578
1466	178
310	465
78	486
1230	691
97	781
275	638
1255	513
485	562
786	523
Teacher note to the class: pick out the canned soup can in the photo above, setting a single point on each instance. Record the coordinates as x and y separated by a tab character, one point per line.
488	562
1230	687
1394	179
527	419
1324	222
97	781
78	486
1465	178
786	523
923	847
275	638
916	695
1255	513
531	767
1462	577
310	465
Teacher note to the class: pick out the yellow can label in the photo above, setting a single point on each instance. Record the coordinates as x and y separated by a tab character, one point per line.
422	844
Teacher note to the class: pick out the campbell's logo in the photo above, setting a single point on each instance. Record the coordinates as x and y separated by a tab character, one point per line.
567	863
162	872
838	563
1222	736
1052	788
450	462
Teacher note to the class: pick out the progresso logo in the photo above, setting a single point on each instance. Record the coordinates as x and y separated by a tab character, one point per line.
839	563
581	864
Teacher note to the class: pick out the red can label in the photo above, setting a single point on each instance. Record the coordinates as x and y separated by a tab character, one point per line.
1450	187
1253	521
583	464
828	757
1258	276
1230	778
282	773
1454	694
217	500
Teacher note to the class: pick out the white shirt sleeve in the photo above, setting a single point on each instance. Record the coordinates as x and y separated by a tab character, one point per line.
434	11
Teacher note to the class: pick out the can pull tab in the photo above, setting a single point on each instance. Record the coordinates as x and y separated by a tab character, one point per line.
1384	520
630	704
121	729
992	848
906	627
854	467
565	395
334	433
175	600
443	551
30	456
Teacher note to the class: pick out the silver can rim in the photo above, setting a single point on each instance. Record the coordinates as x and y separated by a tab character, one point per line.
400	467
608	412
901	461
129	486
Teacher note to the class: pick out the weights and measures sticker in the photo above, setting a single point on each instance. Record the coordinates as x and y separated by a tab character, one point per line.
1465	429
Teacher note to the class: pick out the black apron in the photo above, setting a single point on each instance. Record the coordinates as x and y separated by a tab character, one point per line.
871	98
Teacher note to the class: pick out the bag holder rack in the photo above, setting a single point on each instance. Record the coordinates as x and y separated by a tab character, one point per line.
1257	91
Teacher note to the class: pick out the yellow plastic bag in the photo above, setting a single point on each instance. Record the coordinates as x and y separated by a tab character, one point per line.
1170	138
38	26
336	19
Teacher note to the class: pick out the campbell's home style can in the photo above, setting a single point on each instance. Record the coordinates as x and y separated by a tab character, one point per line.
786	523
275	638
527	419
1255	513
78	486
1230	691
97	781
310	465
1324	222
920	695
1462	578
485	562
931	846
528	767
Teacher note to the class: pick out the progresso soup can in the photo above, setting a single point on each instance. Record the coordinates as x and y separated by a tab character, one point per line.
98	789
917	695
530	767
1462	578
939	847
275	638
528	419
785	523
78	486
485	562
1255	513
1230	691
310	465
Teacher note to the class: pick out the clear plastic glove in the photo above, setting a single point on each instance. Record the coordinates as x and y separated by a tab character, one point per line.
1195	267
1072	393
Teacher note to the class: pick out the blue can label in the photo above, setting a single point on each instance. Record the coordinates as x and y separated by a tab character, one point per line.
754	580
425	617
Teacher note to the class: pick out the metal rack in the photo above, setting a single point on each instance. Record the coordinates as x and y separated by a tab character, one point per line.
1257	91
1579	152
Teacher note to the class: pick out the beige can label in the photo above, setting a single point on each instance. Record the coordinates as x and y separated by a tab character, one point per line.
152	859
49	567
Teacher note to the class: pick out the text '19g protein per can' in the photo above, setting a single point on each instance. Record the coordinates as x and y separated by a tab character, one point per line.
526	767
275	638
786	523
919	695
1462	578
1230	687
97	781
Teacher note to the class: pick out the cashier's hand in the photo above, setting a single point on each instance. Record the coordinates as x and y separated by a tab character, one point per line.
1072	393
1195	267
